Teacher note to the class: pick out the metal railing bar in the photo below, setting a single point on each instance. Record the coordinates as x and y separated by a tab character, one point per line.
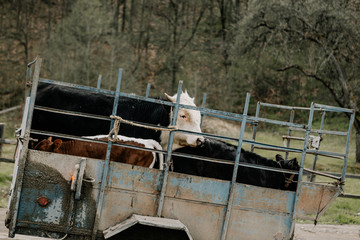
226	219
269	146
19	171
8	160
73	85
84	139
205	112
256	145
355	196
322	174
277	122
87	115
112	93
310	151
165	175
71	113
274	147
226	115
8	141
355	176
229	162
10	109
317	107
284	106
351	123
105	170
340	133
222	161
326	154
301	170
332	108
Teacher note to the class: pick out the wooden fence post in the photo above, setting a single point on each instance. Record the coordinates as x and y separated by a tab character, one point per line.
2	130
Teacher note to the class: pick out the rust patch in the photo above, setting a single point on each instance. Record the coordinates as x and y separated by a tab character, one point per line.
314	199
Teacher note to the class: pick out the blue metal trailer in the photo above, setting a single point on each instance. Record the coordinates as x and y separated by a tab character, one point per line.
69	197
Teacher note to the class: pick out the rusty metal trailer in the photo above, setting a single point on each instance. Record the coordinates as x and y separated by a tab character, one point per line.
69	197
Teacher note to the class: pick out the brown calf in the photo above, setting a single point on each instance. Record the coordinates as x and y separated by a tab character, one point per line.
98	150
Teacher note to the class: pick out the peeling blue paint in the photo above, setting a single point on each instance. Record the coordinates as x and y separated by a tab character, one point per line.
53	213
207	190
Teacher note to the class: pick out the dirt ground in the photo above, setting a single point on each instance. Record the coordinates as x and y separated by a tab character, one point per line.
327	232
302	231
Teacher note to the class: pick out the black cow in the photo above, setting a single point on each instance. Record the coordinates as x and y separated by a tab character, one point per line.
66	98
221	150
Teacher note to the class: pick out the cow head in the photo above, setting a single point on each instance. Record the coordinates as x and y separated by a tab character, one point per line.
290	179
187	119
48	145
291	164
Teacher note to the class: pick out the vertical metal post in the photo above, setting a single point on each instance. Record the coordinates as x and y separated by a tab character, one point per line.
255	125
301	170
99	82
203	106
28	78
15	198
2	130
148	90
312	176
204	100
104	177
352	118
169	150
292	115
236	165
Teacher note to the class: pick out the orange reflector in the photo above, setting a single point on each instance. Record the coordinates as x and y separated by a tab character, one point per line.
72	178
43	201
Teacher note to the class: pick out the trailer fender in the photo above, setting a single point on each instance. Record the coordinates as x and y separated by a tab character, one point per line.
164	223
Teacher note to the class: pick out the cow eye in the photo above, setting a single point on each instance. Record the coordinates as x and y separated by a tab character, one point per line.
182	115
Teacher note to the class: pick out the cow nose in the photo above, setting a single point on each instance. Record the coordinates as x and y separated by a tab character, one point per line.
200	142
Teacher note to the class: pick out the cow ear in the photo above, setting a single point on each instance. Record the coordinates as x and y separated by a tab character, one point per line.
295	164
279	158
57	144
171	98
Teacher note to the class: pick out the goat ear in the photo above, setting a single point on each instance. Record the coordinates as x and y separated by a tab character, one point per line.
171	98
278	158
57	144
49	139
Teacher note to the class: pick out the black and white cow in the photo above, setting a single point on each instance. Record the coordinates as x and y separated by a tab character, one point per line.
221	150
66	98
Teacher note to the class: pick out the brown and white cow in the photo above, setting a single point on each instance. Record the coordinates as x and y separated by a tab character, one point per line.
188	120
147	143
98	151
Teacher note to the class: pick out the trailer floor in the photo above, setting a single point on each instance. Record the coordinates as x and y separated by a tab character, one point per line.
302	231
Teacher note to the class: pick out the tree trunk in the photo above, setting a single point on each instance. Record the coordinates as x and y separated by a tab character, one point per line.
123	17
357	146
116	16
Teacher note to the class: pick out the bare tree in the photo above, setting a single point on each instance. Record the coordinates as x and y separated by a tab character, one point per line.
318	39
179	32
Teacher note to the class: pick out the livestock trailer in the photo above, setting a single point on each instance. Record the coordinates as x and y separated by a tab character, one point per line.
69	197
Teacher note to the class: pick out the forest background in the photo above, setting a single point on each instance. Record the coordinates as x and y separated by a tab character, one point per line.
285	52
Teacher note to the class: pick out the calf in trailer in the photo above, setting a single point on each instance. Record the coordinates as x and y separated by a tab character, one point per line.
221	150
148	143
98	150
67	98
